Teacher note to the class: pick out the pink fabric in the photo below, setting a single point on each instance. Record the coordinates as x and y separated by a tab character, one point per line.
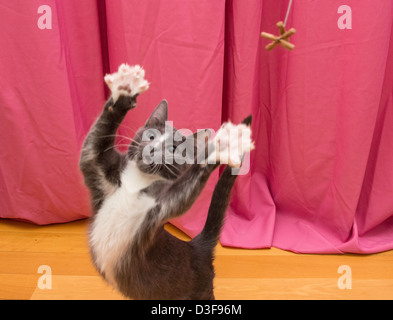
51	85
321	178
322	171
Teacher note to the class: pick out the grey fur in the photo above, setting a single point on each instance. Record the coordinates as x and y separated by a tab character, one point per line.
156	264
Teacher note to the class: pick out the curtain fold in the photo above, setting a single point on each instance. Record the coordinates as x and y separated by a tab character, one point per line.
323	159
51	86
321	177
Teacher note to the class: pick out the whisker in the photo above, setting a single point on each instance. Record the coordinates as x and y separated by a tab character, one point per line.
123	126
157	168
154	169
119	136
174	167
117	145
170	170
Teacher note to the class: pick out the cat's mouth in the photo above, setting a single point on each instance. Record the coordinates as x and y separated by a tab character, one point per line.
165	170
147	164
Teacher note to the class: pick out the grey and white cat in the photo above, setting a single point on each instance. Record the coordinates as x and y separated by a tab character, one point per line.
133	199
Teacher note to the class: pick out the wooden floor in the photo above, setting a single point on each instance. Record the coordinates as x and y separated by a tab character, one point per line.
241	274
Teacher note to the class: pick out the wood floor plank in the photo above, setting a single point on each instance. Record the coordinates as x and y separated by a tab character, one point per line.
43	242
300	288
79	226
241	274
61	263
308	266
77	288
17	286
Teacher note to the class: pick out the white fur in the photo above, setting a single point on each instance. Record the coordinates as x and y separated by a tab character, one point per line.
131	77
230	144
119	218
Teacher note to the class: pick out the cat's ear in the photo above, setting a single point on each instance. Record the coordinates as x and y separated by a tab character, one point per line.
247	121
159	115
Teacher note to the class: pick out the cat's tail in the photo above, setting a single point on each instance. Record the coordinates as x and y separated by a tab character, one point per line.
210	234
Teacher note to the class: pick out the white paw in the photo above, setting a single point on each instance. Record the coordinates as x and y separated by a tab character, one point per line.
231	143
128	80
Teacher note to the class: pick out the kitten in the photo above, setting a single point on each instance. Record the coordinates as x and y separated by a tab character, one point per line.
133	198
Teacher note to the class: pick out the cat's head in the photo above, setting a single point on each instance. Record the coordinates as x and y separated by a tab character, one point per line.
159	148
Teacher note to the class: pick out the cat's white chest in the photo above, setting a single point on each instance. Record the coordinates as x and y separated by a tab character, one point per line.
119	218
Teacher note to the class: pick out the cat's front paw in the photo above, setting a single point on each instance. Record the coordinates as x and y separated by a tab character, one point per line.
128	81
231	143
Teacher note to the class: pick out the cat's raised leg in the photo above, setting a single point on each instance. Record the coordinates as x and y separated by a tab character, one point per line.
230	144
100	162
228	147
127	81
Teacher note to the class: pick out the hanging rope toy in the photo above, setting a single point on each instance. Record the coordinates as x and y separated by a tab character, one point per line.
283	38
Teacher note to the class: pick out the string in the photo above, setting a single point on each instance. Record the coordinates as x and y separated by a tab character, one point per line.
289	9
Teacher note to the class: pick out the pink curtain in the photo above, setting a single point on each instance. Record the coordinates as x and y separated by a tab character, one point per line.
51	85
321	177
322	174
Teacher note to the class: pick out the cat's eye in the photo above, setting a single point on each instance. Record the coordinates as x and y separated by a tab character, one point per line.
151	136
171	149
